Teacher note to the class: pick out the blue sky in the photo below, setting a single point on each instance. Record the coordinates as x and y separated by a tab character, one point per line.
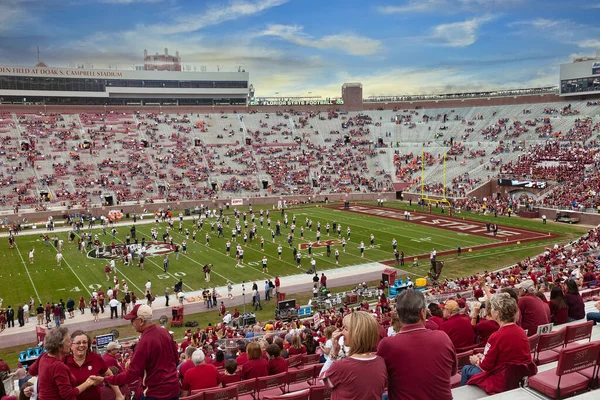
296	47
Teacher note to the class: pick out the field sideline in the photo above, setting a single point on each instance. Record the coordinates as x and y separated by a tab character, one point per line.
80	274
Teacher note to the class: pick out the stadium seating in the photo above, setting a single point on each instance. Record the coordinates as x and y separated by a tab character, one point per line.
80	158
547	343
565	380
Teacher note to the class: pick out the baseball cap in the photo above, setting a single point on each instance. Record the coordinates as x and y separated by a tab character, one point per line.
113	346
451	305
526	284
139	311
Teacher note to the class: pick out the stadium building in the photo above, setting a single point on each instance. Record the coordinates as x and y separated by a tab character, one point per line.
110	87
581	77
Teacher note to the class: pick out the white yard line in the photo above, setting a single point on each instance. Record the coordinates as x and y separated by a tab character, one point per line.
28	274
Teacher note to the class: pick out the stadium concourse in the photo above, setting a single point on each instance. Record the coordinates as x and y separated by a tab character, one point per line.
193	303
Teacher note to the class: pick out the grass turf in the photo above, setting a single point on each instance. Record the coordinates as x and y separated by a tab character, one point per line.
80	274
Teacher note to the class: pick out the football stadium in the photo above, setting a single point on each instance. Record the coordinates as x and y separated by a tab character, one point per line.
180	236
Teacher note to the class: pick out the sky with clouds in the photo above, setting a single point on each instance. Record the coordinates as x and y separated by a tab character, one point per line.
301	47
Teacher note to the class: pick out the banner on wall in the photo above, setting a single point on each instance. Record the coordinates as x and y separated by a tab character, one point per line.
237	202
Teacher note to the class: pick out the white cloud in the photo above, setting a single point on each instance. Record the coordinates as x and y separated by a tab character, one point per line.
446	6
214	15
457	34
590	43
347	42
14	14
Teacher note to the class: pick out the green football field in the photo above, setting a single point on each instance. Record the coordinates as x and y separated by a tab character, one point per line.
81	274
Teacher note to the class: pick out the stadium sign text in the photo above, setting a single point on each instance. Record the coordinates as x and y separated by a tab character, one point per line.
60	72
295	102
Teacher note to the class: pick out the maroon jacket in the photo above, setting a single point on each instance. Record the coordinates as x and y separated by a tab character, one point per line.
155	362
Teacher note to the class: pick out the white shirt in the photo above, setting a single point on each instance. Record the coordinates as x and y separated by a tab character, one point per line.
114	303
148	285
227	318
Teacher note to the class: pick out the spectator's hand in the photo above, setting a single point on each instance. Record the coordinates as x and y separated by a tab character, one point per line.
96	380
28	391
474	359
335	339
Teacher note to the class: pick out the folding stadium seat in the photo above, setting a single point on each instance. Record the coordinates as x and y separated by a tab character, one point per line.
271	382
576	333
565	380
294	361
302	395
247	386
310	359
320	392
547	342
592	373
533	342
303	375
197	396
219	393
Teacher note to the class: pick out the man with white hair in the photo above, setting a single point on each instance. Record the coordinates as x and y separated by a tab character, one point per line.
532	309
154	362
202	376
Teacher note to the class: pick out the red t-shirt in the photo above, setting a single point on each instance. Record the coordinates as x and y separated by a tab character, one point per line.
154	363
508	345
255	368
294	351
55	380
533	313
93	365
558	315
576	306
484	329
227	379
357	379
185	367
242	359
277	365
111	361
459	330
203	376
431	350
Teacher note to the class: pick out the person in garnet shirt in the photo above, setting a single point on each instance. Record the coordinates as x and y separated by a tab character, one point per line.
483	327
296	348
437	315
532	309
243	357
414	345
83	363
559	311
574	301
55	380
509	345
256	366
276	363
457	327
230	375
202	376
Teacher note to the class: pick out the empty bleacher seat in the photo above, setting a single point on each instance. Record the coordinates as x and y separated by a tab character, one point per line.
565	380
